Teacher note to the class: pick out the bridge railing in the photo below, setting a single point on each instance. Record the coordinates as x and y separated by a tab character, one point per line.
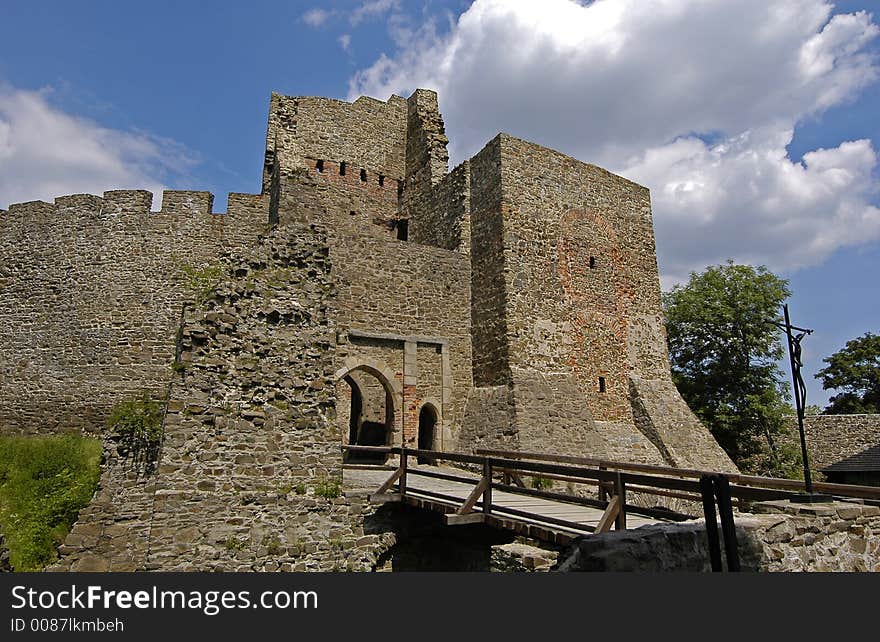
846	491
502	470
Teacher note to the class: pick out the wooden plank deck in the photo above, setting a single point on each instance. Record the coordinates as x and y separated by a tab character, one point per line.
420	492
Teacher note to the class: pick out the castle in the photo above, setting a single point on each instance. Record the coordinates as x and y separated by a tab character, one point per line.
367	295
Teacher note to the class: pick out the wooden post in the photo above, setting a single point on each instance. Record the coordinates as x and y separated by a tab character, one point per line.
620	492
402	482
487	494
728	528
707	490
603	494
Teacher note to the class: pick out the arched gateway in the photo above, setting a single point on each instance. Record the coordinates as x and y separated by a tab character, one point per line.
369	407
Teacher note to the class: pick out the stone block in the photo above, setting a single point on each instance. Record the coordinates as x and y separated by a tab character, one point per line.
88	563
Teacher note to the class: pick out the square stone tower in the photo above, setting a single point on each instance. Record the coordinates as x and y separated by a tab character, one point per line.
554	341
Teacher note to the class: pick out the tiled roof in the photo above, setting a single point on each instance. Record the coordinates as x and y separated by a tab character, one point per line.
867	460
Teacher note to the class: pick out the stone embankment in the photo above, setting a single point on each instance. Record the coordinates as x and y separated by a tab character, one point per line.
778	536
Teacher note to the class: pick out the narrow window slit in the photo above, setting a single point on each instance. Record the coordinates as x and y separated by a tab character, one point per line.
592	262
342	168
363	175
381	180
601	384
403	230
319	166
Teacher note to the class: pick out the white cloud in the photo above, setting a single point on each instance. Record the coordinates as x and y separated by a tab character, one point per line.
316	17
638	87
45	153
370	8
744	199
345	41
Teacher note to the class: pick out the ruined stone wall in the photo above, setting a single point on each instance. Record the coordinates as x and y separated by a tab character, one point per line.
427	161
830	537
831	438
112	533
91	292
444	218
366	134
780	537
249	472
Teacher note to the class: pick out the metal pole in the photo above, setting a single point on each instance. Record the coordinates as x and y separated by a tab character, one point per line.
799	402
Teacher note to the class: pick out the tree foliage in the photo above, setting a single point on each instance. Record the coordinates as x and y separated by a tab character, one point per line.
855	369
724	351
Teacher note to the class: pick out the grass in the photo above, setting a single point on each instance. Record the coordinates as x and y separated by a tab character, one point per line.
44	482
201	281
233	544
328	487
541	483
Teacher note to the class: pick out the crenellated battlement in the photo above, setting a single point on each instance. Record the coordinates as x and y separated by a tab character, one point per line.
137	203
187	202
31	209
74	202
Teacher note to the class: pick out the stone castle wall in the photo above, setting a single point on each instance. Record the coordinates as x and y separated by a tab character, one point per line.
780	537
567	309
366	134
831	438
393	294
516	296
251	454
91	293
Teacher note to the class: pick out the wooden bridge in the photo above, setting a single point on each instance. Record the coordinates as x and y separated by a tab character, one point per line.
489	488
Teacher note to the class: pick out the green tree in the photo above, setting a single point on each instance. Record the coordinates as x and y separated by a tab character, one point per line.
855	370
724	352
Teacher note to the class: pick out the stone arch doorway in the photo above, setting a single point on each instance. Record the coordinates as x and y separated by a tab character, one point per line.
368	407
427	434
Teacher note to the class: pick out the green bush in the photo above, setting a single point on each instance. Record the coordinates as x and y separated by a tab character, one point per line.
137	423
328	487
44	482
541	483
201	281
234	545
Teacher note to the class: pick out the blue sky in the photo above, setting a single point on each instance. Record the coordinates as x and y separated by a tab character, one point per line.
754	122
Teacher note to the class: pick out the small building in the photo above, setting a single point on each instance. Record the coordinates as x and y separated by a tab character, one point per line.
862	468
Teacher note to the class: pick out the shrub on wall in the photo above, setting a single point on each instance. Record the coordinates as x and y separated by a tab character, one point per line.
137	426
44	482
